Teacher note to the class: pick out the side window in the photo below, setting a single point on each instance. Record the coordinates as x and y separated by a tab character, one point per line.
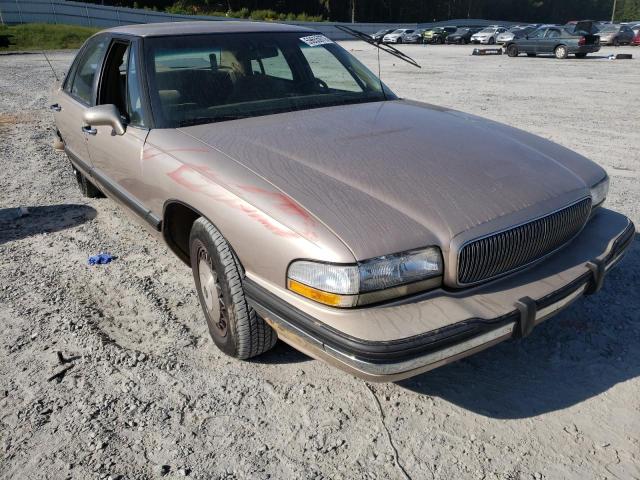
276	66
113	83
134	97
86	71
326	67
537	34
552	33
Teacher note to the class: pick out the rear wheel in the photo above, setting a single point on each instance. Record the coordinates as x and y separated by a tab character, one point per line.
492	41
234	326
399	40
87	188
512	50
561	52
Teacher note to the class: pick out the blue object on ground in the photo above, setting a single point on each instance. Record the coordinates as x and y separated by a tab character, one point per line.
100	259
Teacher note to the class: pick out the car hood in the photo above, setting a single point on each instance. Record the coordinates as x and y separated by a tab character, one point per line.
391	176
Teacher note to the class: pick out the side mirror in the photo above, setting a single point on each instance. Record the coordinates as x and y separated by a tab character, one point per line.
104	115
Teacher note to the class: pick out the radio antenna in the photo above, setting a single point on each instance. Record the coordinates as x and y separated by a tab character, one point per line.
51	66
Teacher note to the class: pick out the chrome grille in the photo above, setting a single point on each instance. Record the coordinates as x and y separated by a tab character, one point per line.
509	250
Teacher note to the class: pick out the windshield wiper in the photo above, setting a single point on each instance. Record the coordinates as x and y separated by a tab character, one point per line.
381	46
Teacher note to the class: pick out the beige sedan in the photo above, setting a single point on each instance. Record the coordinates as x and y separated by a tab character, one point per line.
382	235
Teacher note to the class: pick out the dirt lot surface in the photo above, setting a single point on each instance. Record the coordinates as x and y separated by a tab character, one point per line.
147	395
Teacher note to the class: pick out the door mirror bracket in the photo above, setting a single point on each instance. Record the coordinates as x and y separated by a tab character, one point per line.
104	115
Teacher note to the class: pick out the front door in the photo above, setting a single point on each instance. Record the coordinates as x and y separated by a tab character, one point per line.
117	159
529	44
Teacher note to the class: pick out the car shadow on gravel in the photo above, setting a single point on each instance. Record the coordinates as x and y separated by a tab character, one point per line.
580	353
22	222
280	354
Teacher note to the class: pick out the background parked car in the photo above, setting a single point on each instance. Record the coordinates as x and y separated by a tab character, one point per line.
398	36
514	32
487	36
462	35
415	37
379	35
636	37
438	34
558	41
616	35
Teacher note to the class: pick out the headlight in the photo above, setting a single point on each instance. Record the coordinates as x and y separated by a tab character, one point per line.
599	192
369	281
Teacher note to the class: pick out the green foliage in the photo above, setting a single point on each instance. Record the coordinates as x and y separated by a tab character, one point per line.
40	36
195	7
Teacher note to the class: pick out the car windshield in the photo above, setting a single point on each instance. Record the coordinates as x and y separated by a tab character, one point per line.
398	31
211	78
610	28
488	30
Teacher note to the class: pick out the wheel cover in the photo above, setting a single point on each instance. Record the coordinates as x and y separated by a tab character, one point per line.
212	293
560	51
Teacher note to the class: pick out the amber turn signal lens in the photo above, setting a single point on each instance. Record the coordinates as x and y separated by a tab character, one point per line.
331	299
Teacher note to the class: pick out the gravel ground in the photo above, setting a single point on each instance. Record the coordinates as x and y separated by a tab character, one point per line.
141	391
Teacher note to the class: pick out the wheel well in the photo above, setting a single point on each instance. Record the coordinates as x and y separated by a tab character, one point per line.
176	227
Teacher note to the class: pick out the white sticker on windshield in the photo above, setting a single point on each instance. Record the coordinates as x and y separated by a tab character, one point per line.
315	40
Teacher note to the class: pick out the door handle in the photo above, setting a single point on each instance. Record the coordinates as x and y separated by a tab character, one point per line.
55	107
89	130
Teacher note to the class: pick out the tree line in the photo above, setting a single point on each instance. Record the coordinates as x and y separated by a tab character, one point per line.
413	11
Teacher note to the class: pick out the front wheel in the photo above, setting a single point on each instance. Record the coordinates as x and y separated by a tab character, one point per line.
234	326
561	52
399	40
492	41
512	50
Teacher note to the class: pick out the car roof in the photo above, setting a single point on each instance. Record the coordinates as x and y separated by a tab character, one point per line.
203	27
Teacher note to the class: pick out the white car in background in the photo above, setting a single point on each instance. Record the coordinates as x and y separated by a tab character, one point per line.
488	36
515	32
399	36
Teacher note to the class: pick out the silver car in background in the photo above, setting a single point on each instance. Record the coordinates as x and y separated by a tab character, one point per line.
399	36
514	32
488	36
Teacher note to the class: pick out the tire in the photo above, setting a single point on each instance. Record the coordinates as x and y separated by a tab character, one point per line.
234	326
440	40
492	41
531	54
581	55
561	52
512	50
399	40
87	188
616	42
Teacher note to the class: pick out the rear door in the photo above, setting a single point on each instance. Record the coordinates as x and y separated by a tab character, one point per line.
550	41
117	158
76	96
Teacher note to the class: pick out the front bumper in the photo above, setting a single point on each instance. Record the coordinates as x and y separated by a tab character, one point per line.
517	303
